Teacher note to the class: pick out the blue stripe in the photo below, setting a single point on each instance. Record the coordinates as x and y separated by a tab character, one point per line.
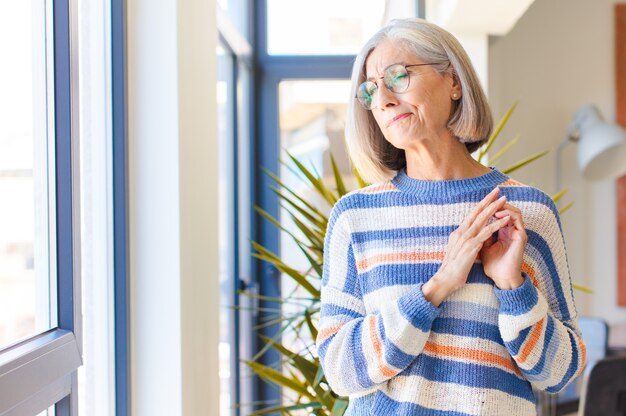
471	375
360	364
408	274
539	367
462	309
360	237
542	246
467	328
387	275
515	345
330	309
351	284
529	194
393	354
419	319
573	367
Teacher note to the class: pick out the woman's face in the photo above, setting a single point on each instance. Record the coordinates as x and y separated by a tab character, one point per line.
423	110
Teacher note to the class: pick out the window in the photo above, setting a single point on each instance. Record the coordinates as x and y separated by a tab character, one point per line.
306	65
27	296
40	347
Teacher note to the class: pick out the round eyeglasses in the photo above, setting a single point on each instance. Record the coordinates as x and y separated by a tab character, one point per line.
396	79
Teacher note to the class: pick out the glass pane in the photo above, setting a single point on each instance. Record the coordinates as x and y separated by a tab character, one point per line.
328	27
48	412
312	121
26	186
238	12
225	97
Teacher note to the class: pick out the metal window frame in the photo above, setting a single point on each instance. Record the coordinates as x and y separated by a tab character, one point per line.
120	208
41	371
240	50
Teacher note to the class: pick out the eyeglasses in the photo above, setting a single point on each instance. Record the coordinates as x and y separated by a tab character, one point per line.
396	79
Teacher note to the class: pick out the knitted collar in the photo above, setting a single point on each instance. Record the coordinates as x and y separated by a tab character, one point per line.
448	189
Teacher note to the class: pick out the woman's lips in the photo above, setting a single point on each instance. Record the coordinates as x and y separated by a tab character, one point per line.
398	117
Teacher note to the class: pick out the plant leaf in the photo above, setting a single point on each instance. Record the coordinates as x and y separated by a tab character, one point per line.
502	151
496	132
319	376
274	221
559	194
565	208
317	183
316	222
268	410
299	198
582	288
357	175
280	265
309	322
341	188
270	374
340	407
525	162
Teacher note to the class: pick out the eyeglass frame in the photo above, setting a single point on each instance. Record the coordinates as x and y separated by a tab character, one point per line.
383	77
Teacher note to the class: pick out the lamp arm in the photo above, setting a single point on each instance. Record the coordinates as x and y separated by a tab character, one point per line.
568	139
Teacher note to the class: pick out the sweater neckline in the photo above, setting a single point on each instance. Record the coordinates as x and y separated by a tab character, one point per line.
448	188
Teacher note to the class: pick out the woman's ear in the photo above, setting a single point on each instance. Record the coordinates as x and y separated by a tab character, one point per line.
455	91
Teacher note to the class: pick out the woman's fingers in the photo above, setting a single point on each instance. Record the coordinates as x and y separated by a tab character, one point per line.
488	231
514	213
485	215
471	217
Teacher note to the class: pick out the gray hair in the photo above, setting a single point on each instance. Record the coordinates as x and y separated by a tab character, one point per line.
471	121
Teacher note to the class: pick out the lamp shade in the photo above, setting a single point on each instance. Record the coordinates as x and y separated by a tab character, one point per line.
601	147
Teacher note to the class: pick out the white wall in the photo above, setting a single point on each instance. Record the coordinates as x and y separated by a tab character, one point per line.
173	207
558	57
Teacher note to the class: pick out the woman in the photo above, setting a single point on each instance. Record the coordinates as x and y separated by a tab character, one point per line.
446	288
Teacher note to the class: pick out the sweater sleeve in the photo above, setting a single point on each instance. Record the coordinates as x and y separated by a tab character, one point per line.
538	320
357	350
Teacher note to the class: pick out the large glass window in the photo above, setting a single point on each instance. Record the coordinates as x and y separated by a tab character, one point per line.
27	249
226	130
39	323
312	121
327	27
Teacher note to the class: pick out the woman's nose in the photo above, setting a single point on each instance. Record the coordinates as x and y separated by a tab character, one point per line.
386	98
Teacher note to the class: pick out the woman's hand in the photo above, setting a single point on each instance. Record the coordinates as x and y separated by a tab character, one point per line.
464	246
502	259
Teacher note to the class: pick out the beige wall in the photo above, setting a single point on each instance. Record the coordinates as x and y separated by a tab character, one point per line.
557	58
173	207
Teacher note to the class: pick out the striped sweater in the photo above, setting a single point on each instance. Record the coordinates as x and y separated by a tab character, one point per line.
482	350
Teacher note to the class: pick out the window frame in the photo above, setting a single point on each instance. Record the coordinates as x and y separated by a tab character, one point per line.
41	371
120	208
239	50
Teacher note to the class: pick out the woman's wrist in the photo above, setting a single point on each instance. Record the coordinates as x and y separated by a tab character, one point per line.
511	283
436	290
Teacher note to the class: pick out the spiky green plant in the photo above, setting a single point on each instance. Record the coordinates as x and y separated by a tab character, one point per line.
305	378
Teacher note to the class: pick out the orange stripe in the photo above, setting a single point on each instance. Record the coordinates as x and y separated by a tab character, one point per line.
530	271
396	257
532	341
583	355
378	349
511	182
327	332
387	187
471	354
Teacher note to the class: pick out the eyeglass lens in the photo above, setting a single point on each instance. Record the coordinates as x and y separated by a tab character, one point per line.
395	78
